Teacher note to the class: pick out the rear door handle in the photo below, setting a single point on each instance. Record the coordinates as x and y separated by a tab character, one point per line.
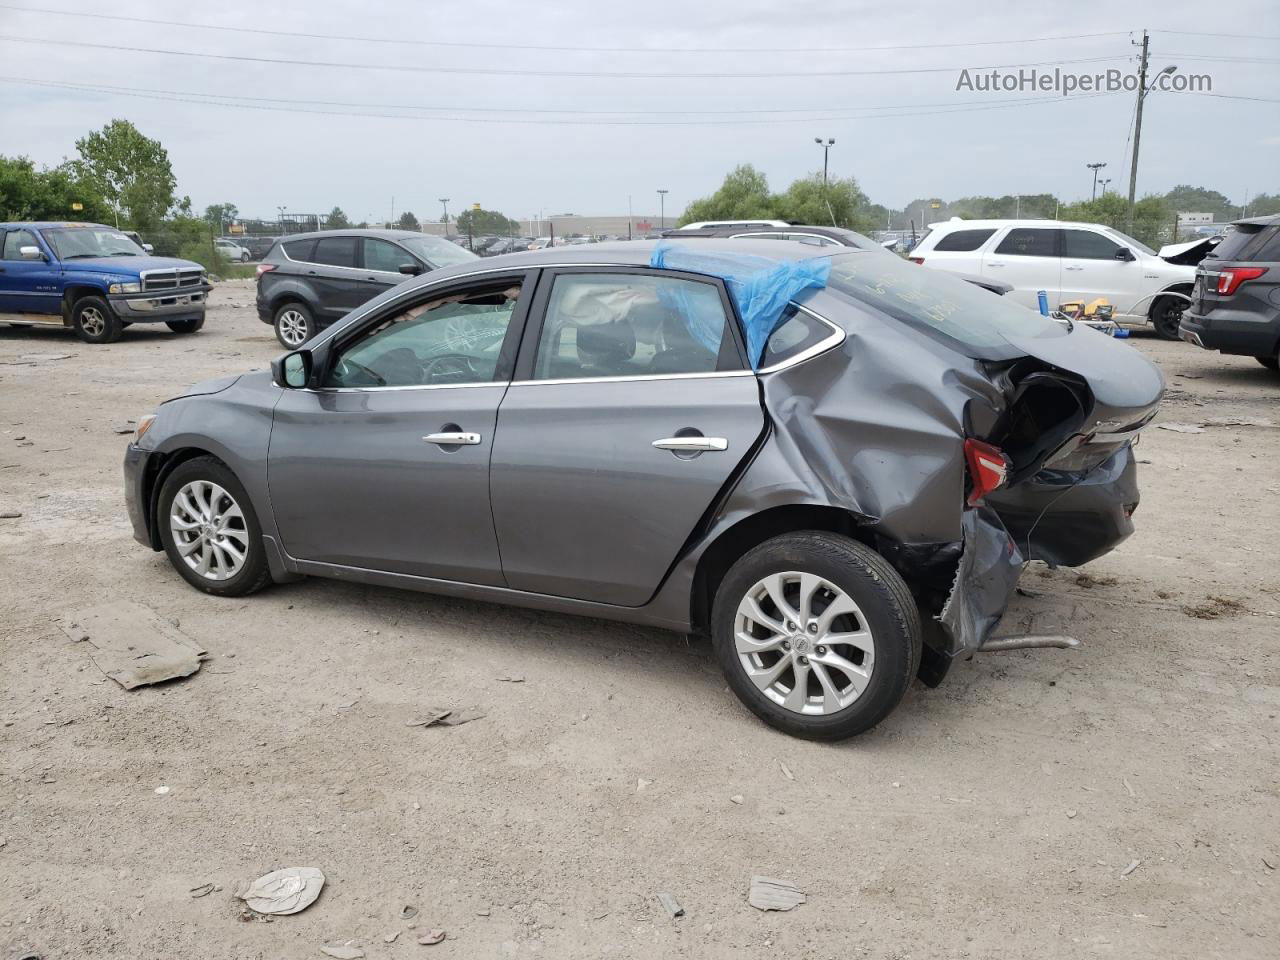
692	443
1073	267
458	439
995	264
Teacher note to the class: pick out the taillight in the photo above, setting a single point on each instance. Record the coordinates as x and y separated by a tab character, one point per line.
916	259
265	268
1231	278
988	467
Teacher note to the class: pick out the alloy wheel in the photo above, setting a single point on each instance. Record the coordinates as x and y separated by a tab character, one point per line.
293	328
209	530
804	643
92	322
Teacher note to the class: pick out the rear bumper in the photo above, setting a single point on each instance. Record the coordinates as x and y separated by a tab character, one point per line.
186	303
1237	332
138	465
1069	518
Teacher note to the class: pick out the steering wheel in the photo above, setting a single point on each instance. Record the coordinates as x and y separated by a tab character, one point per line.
451	365
346	365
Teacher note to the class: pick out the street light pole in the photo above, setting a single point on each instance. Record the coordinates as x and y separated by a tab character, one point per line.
662	209
281	220
444	203
1095	167
826	147
1103	183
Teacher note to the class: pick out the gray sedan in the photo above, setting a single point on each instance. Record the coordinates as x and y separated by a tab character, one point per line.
837	478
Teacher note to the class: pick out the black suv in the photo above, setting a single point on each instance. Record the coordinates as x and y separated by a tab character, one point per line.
310	280
1235	305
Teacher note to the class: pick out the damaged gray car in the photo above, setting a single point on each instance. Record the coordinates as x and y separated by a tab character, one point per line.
833	463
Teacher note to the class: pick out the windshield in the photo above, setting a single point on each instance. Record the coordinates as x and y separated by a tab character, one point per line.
938	302
73	243
436	251
1136	244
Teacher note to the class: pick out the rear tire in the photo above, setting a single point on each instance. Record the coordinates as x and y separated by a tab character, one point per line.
1166	315
215	519
294	325
855	643
185	326
1271	363
93	321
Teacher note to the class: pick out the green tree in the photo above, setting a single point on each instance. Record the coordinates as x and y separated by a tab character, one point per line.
840	203
744	195
337	220
27	193
485	222
1263	205
1188	199
129	171
221	214
408	221
1152	216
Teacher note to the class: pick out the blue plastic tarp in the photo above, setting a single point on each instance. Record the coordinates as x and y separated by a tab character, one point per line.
761	289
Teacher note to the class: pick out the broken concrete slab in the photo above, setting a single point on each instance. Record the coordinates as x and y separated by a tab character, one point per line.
132	645
769	894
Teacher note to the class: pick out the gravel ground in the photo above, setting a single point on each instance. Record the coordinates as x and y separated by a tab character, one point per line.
996	816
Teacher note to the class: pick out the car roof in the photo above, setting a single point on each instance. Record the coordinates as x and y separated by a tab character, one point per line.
356	232
996	224
51	224
835	233
633	253
1265	221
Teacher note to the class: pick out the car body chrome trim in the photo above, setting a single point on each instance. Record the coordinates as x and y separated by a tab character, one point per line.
834	339
692	444
629	378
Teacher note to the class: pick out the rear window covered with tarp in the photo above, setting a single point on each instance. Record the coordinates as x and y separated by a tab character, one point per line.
968	316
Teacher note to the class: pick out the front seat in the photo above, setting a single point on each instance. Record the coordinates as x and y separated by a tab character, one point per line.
605	349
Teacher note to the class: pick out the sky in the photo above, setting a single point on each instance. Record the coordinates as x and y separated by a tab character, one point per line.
664	94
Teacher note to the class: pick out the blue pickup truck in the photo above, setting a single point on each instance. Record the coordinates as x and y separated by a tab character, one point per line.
94	279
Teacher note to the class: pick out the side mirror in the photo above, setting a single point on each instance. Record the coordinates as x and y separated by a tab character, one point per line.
148	248
411	269
30	253
1125	254
293	370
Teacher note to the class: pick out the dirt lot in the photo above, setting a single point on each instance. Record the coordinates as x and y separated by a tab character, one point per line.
993	817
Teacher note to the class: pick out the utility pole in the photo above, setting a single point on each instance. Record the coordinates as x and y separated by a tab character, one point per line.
1137	130
826	148
1095	167
444	203
662	207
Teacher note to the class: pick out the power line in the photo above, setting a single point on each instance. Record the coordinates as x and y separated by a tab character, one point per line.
1218	59
116	88
1231	36
497	71
544	47
229	102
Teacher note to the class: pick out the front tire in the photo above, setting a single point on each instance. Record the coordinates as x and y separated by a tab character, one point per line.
817	635
1272	362
1166	315
294	325
209	530
93	321
185	326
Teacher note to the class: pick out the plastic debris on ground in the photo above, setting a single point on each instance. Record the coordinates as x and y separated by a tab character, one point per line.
430	937
283	891
671	905
769	894
132	645
342	952
761	288
446	717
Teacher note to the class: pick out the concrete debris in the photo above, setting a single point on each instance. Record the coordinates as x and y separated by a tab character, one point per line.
769	894
283	891
133	646
430	937
342	952
1133	865
641	783
391	937
671	905
736	798
786	771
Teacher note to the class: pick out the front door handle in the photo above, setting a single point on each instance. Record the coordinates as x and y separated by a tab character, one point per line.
692	444
458	439
1073	267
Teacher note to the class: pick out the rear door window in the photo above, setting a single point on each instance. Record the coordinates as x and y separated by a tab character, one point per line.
1087	245
300	250
963	240
1029	242
336	251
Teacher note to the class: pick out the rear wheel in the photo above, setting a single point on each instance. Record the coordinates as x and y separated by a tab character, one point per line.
817	635
294	325
93	321
209	530
1166	315
1272	362
185	326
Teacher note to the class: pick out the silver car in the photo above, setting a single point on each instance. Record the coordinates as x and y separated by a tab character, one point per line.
833	463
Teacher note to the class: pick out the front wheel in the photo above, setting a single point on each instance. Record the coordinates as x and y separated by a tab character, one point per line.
185	326
209	530
1166	315
93	321
817	635
1272	362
